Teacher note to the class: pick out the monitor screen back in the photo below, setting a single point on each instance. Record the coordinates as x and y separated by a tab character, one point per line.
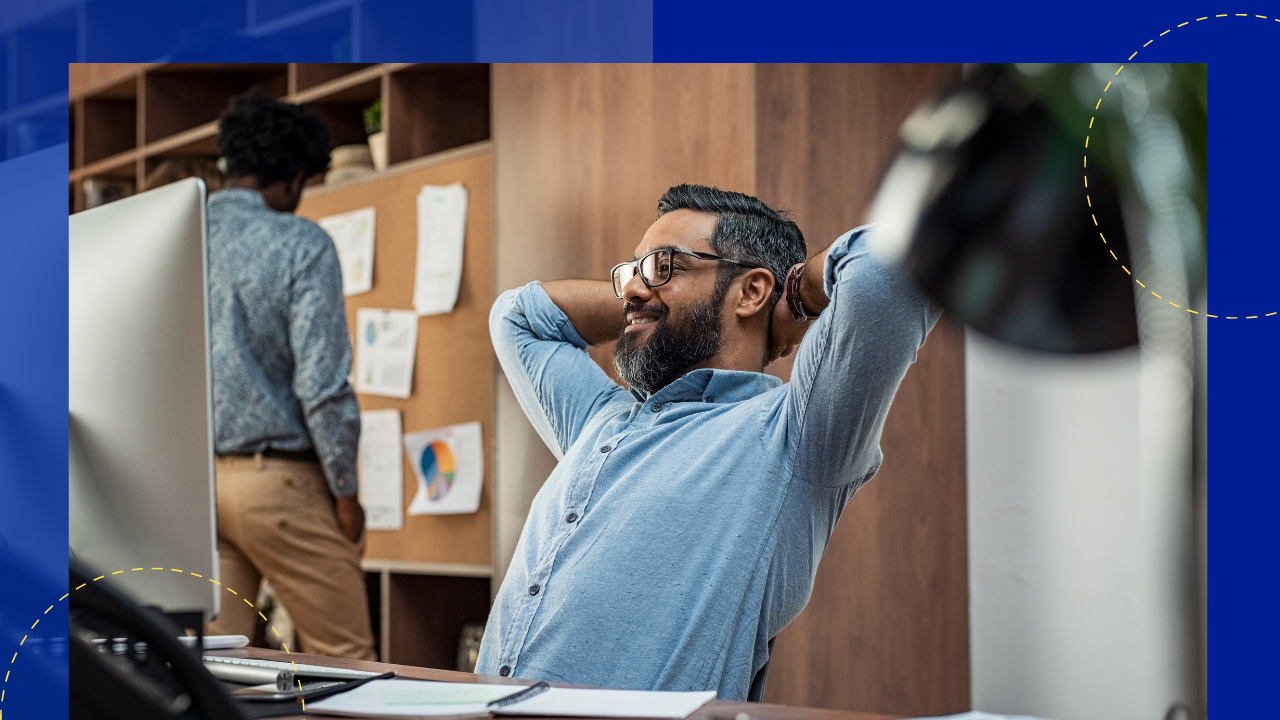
141	490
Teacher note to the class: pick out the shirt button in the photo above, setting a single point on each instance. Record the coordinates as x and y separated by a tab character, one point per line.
570	517
711	398
656	407
605	449
505	670
533	589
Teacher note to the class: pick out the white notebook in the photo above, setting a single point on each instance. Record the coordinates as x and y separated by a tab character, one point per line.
428	699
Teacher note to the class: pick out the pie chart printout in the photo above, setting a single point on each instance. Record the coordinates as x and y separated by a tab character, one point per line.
448	463
438	468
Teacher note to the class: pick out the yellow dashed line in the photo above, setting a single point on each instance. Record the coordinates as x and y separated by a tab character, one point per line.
1086	199
1095	219
1086	178
64	597
98	578
1264	17
1175	304
1242	14
23	641
1185	23
78	587
1086	141
1139	282
1153	292
1210	315
1250	317
136	569
34	624
1206	17
1232	317
264	617
1086	161
246	602
1113	255
215	582
1126	270
1222	15
1108	87
157	568
277	632
1104	237
1095	107
46	612
117	572
1166	32
197	575
1270	314
1121	68
175	569
1193	312
1135	52
233	592
1149	42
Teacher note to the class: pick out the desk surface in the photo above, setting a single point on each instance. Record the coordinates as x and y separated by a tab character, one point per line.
711	711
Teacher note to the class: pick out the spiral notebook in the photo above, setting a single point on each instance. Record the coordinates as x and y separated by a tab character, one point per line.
427	699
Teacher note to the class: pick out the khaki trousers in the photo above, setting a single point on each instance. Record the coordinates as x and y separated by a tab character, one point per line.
276	519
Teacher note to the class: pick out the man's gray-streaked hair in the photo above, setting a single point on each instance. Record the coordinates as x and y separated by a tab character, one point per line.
746	229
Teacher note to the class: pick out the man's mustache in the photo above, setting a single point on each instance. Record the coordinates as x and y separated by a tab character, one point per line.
659	311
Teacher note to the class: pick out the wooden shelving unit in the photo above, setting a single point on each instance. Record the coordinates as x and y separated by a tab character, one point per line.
427	581
124	124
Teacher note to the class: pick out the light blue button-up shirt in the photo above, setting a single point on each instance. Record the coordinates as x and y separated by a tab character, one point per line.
681	531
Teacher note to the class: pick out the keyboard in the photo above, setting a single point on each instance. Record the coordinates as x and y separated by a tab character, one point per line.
313	670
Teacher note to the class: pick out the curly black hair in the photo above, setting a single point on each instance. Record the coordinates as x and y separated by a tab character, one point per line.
270	140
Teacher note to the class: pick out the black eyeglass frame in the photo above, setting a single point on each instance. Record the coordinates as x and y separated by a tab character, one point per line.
617	290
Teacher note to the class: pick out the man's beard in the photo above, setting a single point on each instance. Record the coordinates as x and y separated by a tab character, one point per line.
650	365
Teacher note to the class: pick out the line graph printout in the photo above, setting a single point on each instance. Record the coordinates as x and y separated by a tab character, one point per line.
352	234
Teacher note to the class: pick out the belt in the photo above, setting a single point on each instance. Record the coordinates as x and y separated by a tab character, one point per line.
294	455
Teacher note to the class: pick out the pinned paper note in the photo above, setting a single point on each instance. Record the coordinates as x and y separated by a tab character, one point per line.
442	223
352	235
449	465
385	344
381	470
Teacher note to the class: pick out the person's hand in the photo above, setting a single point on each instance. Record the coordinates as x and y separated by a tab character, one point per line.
350	516
787	332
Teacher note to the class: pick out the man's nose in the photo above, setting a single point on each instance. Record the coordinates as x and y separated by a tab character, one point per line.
636	291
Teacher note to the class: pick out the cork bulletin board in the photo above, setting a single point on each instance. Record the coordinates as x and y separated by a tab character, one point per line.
453	371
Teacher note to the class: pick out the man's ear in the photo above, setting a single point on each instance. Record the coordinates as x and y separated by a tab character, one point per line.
757	288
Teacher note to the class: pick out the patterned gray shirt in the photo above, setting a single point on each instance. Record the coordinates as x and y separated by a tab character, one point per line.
278	327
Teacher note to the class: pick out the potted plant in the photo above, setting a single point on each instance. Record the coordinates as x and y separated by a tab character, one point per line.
377	137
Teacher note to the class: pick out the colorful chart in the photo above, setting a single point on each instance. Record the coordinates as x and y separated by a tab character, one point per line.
438	468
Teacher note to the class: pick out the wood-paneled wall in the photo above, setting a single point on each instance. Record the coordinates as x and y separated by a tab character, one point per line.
582	153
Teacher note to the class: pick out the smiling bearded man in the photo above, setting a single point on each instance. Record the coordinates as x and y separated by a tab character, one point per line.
683	527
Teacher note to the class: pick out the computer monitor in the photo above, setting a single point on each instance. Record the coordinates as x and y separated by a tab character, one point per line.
141	427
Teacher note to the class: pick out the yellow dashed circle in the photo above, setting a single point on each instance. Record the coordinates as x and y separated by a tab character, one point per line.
14	659
1086	165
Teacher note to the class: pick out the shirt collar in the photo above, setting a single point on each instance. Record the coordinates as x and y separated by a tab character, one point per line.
712	385
237	196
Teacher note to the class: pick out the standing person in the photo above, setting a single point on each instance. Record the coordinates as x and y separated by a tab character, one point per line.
683	527
286	419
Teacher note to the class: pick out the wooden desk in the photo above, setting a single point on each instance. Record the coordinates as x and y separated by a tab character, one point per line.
713	710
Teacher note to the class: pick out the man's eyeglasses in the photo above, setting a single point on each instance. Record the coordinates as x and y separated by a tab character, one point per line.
655	268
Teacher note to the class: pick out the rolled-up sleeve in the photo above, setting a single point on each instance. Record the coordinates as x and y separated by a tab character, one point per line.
322	361
544	358
851	362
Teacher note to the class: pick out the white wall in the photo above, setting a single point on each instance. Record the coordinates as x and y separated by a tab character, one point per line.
1079	533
